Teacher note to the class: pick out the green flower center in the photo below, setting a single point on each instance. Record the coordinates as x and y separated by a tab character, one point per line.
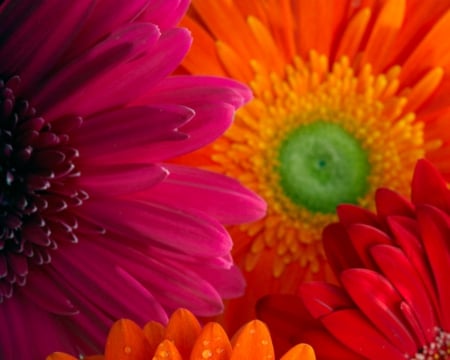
321	165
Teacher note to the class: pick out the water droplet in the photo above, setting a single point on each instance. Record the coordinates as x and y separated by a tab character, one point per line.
252	331
220	350
205	342
127	349
206	354
264	342
163	354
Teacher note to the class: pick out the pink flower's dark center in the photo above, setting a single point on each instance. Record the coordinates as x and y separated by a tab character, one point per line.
36	179
437	350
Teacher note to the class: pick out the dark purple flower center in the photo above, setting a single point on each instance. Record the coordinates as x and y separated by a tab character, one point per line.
37	187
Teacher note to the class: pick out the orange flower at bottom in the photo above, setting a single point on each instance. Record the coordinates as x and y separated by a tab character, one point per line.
184	339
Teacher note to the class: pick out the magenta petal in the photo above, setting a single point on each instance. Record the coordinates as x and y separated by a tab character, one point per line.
165	13
70	90
379	300
201	131
155	224
195	91
111	288
353	330
43	291
132	79
28	332
27	38
130	129
100	22
435	229
404	277
115	179
221	197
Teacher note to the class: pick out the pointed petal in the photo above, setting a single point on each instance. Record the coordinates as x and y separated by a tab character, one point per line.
126	341
222	197
378	300
183	329
252	340
212	343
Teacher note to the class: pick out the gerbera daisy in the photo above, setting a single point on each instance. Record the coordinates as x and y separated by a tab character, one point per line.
93	226
348	95
393	300
184	338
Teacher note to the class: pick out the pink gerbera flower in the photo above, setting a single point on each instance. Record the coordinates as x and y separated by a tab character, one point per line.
93	226
393	300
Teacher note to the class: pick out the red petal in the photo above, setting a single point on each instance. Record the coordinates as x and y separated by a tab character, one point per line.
339	249
321	298
429	187
357	333
435	229
363	237
350	214
379	300
404	277
389	203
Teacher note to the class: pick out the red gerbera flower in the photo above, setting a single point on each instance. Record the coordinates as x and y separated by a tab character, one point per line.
93	227
393	300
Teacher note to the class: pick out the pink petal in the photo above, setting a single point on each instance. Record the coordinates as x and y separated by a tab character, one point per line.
29	332
210	121
111	288
158	225
378	300
221	197
27	38
42	290
128	129
115	179
70	91
133	78
102	20
165	13
194	91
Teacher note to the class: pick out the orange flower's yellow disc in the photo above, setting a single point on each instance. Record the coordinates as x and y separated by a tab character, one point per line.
347	96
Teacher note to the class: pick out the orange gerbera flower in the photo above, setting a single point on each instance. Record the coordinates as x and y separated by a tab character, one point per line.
348	94
184	338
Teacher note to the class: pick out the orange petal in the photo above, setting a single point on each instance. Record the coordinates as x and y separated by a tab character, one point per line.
154	333
300	352
60	356
252	341
183	329
126	341
212	344
166	351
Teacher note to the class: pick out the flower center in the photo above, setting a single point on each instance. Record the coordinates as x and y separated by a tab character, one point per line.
321	166
36	163
438	350
295	143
